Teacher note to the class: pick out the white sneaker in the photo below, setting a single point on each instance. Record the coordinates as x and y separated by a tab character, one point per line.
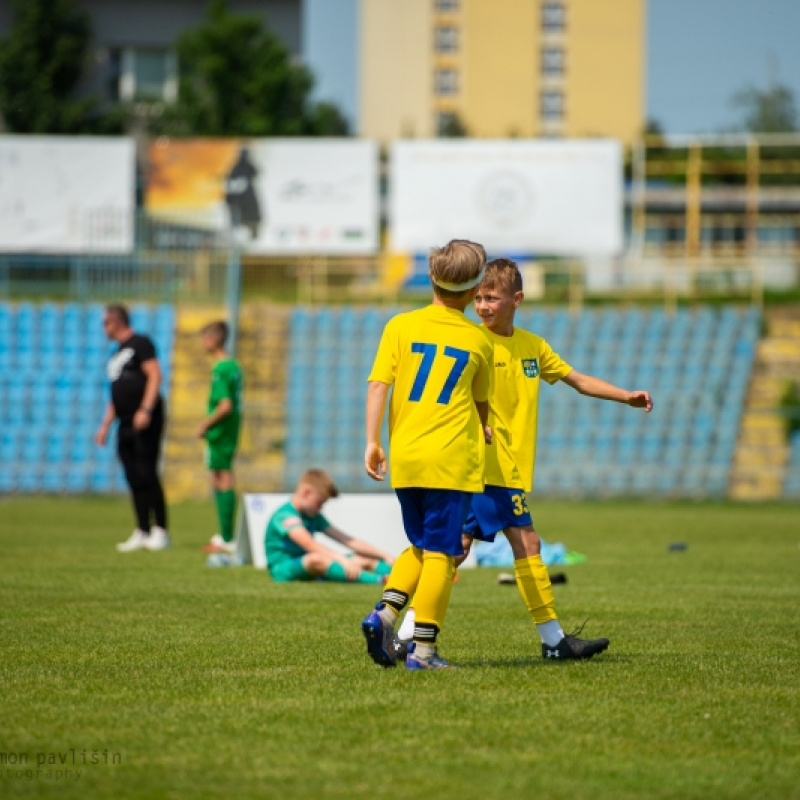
218	545
157	540
136	541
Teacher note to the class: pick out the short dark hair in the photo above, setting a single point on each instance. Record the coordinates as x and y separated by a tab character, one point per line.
218	329
120	312
503	272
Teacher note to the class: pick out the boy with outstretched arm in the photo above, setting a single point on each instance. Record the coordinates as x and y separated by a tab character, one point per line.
521	361
438	364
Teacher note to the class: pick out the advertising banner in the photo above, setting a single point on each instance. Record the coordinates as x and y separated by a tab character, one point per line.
280	196
559	198
66	194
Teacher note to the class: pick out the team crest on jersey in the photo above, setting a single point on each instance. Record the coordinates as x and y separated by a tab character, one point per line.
530	366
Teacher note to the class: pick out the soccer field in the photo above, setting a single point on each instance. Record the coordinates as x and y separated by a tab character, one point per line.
220	683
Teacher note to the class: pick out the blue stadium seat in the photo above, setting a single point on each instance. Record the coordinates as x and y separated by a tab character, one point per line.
28	478
76	479
10	446
7	477
101	480
52	478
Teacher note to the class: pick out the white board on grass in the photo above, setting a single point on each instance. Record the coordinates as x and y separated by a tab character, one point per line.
375	518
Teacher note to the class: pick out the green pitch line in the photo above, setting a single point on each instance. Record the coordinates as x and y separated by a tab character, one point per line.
222	684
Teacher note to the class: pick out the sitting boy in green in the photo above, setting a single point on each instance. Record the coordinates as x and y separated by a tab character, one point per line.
293	552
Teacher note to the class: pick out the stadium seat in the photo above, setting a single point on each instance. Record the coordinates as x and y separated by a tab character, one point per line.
582	443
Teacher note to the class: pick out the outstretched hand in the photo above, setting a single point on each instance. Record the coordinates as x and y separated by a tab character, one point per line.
641	399
375	462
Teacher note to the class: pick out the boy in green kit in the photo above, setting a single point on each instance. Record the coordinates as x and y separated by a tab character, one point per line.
221	431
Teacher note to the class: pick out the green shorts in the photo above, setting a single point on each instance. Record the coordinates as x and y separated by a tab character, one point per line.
219	456
290	569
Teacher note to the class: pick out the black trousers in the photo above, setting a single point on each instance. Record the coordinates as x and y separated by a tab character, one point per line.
138	452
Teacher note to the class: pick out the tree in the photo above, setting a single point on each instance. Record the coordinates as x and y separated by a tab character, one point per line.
451	126
237	79
769	110
41	65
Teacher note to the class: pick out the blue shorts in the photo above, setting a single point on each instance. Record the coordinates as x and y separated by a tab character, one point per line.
434	518
497	508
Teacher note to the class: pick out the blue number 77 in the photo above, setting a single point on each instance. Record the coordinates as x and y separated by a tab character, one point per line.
428	351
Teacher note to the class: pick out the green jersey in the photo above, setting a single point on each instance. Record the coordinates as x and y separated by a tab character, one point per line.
226	382
277	543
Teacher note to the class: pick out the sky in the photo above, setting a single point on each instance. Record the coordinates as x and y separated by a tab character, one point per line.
699	53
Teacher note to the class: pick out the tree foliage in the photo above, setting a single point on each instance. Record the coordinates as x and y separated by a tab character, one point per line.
238	79
770	110
42	62
451	126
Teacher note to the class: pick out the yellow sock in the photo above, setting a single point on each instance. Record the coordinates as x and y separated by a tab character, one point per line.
533	582
405	573
433	591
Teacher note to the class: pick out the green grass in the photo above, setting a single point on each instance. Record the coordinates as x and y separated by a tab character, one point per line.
219	683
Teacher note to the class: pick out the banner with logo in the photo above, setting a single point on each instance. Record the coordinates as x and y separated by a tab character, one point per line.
560	198
63	194
280	196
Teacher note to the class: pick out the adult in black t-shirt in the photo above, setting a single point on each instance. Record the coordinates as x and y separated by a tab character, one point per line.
135	378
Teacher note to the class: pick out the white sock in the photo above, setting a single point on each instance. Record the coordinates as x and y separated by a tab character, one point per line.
550	632
424	650
406	632
388	615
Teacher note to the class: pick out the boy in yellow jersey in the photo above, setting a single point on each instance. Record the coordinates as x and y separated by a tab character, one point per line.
521	360
439	365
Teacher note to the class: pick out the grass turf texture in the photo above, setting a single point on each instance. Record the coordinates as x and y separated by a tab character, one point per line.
220	683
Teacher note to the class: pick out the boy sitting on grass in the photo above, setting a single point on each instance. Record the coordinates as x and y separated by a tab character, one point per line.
293	552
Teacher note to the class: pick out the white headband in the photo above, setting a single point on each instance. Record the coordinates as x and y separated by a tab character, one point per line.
460	287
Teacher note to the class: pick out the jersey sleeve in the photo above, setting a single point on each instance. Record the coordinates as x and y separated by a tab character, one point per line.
321	523
482	382
384	367
287	520
145	349
552	367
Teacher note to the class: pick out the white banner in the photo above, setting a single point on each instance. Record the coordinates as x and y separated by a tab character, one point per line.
538	197
66	195
375	518
282	196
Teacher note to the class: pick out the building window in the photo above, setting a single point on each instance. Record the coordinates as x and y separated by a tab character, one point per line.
552	61
553	17
446	39
146	75
552	105
446	6
446	82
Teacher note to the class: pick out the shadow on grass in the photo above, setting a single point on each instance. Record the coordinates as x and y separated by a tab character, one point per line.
607	658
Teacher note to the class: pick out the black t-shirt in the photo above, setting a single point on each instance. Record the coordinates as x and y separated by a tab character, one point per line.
128	381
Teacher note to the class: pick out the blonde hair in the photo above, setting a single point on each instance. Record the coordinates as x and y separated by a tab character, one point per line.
503	273
459	261
320	480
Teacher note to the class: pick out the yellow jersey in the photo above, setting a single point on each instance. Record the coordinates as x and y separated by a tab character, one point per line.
520	361
438	363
